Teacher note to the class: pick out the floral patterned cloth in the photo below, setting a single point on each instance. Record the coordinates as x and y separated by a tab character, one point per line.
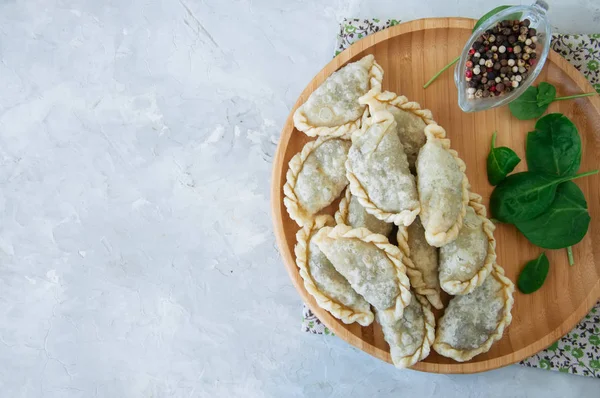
579	351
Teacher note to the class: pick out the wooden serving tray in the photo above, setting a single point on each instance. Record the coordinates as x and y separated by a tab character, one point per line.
411	53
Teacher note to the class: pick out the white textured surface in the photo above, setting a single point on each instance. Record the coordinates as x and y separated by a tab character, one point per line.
136	252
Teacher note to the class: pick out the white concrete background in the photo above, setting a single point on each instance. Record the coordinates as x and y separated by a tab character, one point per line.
136	250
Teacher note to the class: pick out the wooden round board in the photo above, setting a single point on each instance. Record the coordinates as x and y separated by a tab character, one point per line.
410	54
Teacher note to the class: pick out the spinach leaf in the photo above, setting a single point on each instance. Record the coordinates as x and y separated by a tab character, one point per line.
526	106
554	147
500	162
526	195
546	94
534	274
535	100
563	224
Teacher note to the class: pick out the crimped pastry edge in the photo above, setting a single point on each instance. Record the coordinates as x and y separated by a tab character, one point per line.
340	311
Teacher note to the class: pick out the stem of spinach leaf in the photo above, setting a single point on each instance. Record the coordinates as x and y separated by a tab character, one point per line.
445	68
587	173
574	96
570	255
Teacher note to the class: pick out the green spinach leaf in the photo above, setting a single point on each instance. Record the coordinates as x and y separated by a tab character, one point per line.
526	106
534	274
546	94
535	100
563	224
500	162
526	195
554	147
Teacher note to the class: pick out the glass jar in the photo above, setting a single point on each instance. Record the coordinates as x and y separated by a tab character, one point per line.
536	14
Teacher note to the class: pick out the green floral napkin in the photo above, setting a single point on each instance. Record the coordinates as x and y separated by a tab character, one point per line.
579	351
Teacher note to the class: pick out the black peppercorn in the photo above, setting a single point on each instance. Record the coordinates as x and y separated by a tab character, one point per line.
532	32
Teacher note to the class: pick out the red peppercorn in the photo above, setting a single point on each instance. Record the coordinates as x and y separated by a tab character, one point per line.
472	51
469	73
493	88
489	70
509	49
532	61
487	48
469	64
